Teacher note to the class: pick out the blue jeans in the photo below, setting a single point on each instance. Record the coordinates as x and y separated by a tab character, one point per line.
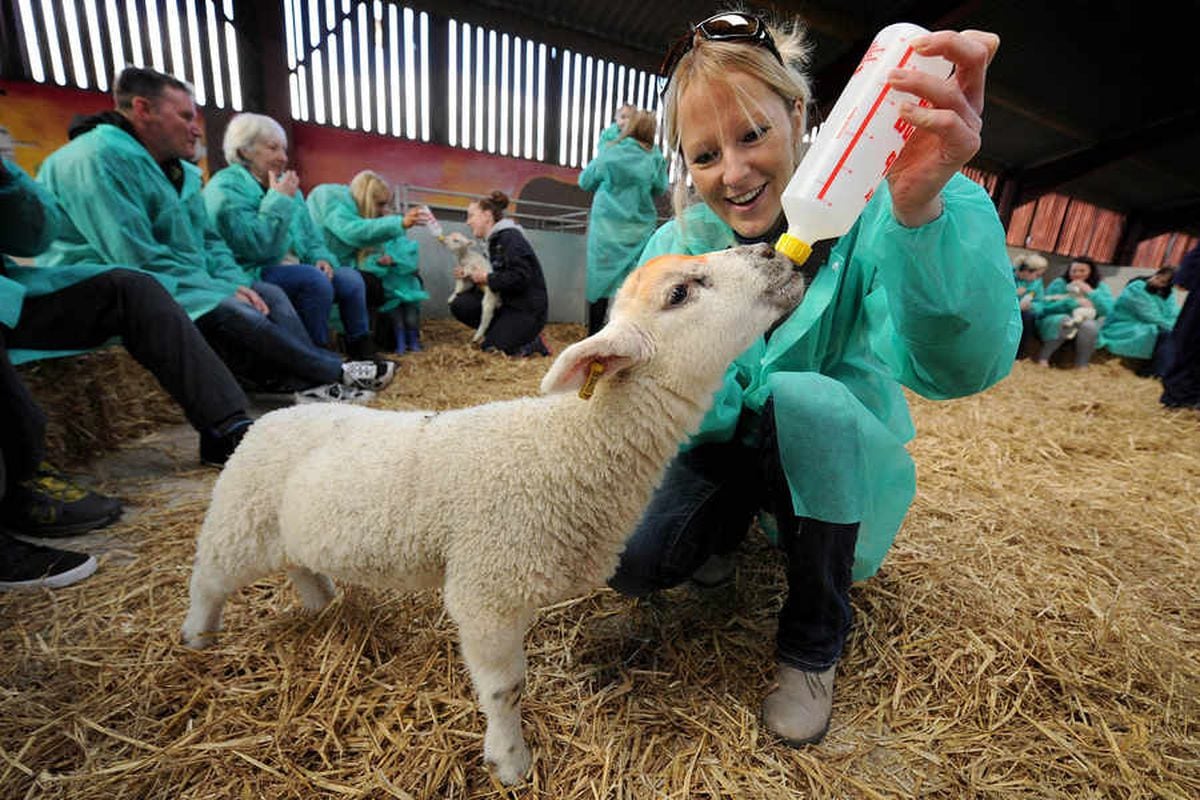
313	294
278	340
704	506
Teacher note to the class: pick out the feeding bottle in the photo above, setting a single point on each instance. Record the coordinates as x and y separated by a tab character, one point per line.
855	146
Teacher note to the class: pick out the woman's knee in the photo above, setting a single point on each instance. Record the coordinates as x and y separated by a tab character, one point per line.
348	284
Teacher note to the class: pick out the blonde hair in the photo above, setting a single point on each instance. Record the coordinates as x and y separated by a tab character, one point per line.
641	128
714	61
369	189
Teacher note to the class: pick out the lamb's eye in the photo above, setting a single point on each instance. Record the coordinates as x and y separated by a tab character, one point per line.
679	293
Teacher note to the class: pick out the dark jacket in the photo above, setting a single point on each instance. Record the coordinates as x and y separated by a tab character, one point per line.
516	272
1188	274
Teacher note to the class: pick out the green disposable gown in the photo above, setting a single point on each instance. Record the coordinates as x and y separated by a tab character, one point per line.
1053	311
1034	288
402	279
120	210
626	178
32	218
262	226
333	210
932	308
1137	318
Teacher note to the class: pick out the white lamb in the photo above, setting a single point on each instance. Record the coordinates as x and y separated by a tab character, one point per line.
470	258
570	477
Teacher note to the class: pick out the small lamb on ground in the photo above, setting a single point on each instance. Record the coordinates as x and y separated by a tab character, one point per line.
469	258
575	475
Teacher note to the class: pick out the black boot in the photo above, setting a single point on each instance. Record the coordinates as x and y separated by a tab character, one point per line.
360	348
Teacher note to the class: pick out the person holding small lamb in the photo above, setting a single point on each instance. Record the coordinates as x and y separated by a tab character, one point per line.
361	231
626	176
131	198
1141	322
1028	270
256	205
516	276
810	427
1074	307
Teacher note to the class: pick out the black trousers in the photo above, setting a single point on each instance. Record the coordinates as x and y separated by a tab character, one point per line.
154	329
510	328
705	504
1181	377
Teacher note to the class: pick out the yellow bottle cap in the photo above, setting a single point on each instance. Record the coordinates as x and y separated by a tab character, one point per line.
795	249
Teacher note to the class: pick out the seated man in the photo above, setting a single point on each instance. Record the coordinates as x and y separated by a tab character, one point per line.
132	198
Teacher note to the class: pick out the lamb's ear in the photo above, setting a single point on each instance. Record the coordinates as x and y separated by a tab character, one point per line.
617	346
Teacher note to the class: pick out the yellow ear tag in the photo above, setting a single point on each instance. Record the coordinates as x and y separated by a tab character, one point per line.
595	370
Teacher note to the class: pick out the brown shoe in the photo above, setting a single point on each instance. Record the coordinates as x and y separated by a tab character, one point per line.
799	708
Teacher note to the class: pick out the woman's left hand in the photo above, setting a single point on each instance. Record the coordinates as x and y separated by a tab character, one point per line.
948	126
325	267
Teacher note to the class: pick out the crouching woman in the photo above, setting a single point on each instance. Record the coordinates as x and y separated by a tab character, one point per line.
516	277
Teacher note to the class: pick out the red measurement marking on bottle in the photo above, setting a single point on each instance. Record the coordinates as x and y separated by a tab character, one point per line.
887	87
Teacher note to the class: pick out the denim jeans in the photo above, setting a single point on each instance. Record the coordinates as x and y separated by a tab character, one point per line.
313	294
704	506
278	340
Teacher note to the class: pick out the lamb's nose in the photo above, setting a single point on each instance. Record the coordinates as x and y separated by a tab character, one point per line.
766	251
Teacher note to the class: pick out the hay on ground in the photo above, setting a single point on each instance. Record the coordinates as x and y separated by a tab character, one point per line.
1032	634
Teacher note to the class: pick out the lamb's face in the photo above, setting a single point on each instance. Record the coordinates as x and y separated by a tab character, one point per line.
457	242
682	320
712	307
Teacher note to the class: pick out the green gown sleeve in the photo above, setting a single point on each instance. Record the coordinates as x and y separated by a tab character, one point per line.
254	224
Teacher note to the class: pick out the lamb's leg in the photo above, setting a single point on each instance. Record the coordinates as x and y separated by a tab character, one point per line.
488	310
493	649
210	587
315	590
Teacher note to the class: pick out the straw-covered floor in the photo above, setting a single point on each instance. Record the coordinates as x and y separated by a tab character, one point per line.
1034	633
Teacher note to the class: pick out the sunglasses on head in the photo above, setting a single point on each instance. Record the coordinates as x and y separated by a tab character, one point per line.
724	27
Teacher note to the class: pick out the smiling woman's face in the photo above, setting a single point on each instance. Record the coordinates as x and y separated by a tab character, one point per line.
739	142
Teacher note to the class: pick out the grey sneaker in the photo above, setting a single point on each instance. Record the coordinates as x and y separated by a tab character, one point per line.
798	710
371	375
334	393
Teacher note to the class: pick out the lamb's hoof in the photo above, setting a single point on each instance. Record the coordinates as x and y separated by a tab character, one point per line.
512	767
197	641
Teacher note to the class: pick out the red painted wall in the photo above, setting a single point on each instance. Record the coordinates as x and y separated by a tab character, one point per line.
323	154
34	118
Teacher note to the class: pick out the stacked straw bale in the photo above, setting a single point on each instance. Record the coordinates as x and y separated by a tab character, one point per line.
96	401
1032	634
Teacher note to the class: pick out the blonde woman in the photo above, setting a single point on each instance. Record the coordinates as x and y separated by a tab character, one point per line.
361	231
811	424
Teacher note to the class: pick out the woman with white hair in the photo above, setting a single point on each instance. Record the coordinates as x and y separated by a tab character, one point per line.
256	205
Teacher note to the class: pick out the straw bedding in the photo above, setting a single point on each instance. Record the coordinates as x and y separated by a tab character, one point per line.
1032	634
